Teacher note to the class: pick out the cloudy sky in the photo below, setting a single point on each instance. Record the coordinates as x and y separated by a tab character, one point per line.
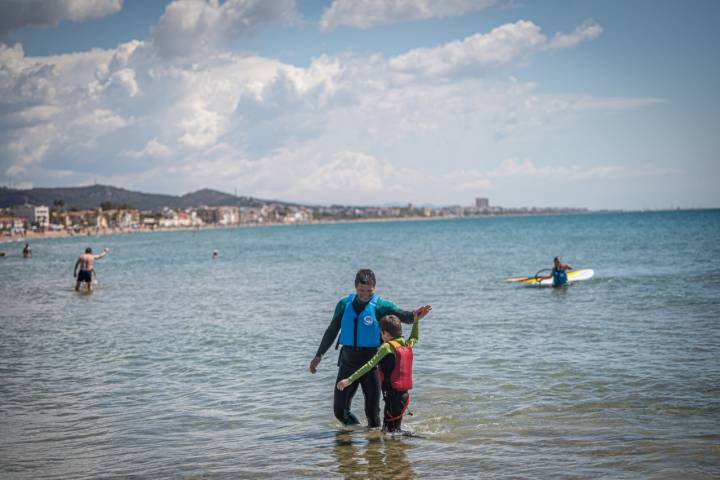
598	104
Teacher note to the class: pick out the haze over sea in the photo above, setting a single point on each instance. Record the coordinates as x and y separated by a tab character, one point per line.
184	366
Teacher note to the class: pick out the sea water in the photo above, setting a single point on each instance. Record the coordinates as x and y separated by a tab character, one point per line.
181	365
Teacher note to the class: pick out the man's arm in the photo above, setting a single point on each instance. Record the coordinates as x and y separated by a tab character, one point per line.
104	252
77	264
386	307
331	333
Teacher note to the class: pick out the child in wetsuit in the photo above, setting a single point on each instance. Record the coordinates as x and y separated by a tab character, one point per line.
394	358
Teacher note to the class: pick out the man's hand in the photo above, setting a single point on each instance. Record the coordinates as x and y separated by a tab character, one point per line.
421	312
314	363
343	384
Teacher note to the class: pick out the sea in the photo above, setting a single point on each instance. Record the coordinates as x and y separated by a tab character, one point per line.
181	365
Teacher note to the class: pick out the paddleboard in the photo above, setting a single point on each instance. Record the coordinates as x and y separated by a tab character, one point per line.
547	281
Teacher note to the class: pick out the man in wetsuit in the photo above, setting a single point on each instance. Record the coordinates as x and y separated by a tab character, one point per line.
85	262
356	320
559	273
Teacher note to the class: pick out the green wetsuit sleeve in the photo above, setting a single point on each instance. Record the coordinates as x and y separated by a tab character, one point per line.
414	335
385	307
331	332
382	351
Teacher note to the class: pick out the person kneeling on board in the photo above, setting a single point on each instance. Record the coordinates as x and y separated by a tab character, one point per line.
559	272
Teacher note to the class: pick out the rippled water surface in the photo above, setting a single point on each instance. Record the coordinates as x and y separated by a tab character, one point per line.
183	366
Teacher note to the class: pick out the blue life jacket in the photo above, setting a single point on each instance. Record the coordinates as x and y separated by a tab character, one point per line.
559	277
360	330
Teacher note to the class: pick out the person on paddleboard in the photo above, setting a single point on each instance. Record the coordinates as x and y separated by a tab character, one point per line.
559	272
85	262
356	320
395	360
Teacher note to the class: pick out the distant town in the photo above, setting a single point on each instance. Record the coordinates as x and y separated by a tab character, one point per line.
59	219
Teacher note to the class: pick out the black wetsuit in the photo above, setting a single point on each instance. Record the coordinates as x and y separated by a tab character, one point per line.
352	358
396	401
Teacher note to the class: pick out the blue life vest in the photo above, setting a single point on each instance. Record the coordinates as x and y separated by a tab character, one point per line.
360	330
559	277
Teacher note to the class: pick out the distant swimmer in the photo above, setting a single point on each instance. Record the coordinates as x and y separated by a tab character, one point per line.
27	251
2	254
215	254
559	272
85	263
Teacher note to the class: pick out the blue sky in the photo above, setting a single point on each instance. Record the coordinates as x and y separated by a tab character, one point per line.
598	104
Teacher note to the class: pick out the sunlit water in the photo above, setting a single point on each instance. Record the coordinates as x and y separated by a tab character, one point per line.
184	366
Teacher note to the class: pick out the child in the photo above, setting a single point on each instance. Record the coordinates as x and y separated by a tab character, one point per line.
395	358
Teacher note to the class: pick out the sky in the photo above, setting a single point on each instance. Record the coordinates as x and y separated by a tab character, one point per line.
604	104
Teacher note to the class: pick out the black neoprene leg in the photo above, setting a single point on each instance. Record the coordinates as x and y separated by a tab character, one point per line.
371	389
343	399
395	404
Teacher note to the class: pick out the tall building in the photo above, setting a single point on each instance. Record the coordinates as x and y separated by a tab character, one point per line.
39	215
482	202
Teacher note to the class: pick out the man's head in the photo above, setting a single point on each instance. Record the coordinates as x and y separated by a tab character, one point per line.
390	327
365	284
556	261
88	250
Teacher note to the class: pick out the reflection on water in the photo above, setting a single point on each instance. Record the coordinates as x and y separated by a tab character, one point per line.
372	455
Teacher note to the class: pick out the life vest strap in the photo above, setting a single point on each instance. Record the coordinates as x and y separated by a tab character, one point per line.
402	412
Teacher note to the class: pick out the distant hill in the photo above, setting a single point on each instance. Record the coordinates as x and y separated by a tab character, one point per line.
93	196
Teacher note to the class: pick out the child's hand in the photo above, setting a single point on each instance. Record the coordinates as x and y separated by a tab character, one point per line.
343	384
421	312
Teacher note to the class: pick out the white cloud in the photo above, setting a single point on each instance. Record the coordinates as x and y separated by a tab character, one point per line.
479	52
348	172
512	167
343	129
124	80
153	149
368	13
190	26
588	30
19	13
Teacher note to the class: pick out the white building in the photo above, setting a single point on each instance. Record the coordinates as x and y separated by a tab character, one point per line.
37	215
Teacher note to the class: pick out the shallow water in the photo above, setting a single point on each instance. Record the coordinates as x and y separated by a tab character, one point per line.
184	366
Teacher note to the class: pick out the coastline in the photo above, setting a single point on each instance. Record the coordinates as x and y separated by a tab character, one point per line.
92	232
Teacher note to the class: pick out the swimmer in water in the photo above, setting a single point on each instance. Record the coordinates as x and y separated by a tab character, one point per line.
85	262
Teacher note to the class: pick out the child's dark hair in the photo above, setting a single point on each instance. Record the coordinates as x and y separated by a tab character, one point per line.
365	276
391	324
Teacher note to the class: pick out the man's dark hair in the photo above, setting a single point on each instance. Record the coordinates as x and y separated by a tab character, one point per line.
391	324
88	250
365	276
